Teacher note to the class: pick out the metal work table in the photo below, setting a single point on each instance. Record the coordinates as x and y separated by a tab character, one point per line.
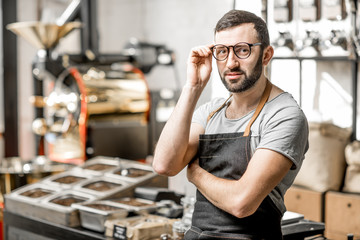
18	227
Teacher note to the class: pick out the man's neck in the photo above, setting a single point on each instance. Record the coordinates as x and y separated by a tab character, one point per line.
244	102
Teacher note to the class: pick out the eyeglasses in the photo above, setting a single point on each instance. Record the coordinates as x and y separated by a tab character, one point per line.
242	50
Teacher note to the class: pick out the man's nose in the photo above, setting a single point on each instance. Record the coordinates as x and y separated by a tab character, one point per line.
232	60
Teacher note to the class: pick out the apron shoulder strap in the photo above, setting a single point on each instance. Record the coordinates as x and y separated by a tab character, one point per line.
218	109
260	106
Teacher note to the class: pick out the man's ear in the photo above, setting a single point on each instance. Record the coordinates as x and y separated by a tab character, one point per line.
267	55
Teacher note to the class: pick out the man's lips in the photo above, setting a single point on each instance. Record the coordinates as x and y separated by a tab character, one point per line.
233	75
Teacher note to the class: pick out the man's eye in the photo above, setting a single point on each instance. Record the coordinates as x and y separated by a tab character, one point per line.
242	50
222	51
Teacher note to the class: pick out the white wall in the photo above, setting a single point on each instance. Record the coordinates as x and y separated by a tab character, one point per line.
180	25
26	54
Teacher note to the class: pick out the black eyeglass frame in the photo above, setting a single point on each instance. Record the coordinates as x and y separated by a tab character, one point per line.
228	49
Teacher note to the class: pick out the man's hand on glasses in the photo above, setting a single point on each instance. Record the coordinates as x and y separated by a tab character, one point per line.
199	66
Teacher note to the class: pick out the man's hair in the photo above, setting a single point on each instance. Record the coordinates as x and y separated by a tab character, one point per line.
235	18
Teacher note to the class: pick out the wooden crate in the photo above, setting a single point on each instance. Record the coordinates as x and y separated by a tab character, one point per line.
338	235
342	215
307	202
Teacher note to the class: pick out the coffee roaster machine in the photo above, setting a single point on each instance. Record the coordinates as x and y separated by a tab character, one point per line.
92	104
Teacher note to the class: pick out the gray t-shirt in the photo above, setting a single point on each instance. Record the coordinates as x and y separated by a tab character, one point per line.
281	126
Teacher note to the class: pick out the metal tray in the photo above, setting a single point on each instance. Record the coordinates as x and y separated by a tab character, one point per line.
103	187
66	180
33	193
141	205
132	172
22	203
97	166
42	208
94	214
57	210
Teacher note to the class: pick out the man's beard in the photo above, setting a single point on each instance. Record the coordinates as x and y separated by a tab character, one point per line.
248	82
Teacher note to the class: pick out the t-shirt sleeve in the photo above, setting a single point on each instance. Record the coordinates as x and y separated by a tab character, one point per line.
201	113
287	132
199	116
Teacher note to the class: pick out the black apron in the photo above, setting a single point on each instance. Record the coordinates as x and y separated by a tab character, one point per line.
227	155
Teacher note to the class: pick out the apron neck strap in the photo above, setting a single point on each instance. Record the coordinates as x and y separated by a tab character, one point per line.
218	109
260	106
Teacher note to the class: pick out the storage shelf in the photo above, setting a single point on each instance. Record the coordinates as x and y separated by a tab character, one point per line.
317	58
354	61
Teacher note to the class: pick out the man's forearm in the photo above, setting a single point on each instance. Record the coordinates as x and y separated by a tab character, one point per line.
177	142
220	192
242	197
223	193
174	139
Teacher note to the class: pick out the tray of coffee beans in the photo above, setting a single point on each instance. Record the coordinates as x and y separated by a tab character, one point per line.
63	200
60	208
65	180
102	187
33	192
136	204
67	200
132	172
36	193
46	202
94	214
97	166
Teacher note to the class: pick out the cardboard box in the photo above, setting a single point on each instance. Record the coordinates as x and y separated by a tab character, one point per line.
307	202
342	214
139	227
